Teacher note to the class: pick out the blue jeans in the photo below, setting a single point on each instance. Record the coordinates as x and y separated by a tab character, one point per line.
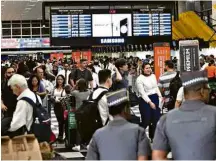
149	116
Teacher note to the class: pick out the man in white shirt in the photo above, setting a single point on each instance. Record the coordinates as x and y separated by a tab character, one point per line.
105	82
180	97
65	72
23	115
96	66
49	66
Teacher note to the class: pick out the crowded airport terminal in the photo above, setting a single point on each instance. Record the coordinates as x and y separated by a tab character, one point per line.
108	80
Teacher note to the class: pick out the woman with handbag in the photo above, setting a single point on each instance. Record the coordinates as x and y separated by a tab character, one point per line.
57	94
149	94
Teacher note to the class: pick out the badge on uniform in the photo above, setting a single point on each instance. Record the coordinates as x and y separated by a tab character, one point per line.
118	97
190	79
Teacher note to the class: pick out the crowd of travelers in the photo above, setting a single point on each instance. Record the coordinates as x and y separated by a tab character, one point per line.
116	84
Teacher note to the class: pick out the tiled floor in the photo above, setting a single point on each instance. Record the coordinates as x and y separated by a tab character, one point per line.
60	148
69	154
54	123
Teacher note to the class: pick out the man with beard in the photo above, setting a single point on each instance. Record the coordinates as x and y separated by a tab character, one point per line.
8	99
164	84
81	72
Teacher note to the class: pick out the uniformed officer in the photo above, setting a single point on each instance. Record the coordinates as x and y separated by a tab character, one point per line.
190	131
119	140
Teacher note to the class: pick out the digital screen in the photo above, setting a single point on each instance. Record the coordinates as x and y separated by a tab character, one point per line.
85	22
112	25
67	24
61	25
155	24
123	26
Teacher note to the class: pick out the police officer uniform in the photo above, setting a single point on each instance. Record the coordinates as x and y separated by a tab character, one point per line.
119	140
190	131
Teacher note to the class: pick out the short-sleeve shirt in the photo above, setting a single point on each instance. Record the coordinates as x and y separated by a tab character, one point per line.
188	132
78	74
180	95
119	140
164	83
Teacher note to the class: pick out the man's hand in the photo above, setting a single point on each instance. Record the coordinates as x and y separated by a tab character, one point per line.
3	107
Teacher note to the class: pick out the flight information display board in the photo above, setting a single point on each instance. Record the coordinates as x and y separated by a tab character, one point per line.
146	23
122	26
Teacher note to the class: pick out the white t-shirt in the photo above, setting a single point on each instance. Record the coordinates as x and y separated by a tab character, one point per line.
95	80
180	95
59	94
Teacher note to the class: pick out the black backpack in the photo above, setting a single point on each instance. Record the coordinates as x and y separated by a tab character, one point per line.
174	86
88	117
41	126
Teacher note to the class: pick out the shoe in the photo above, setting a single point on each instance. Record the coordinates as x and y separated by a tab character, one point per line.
83	147
76	148
60	139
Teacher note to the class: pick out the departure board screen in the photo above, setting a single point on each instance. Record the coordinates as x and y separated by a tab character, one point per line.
71	23
122	26
152	23
61	24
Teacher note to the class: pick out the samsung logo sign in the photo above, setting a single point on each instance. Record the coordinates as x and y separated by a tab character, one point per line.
112	41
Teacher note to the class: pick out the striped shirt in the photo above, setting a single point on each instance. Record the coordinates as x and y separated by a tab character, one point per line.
164	83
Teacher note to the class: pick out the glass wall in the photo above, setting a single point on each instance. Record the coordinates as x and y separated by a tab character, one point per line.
24	29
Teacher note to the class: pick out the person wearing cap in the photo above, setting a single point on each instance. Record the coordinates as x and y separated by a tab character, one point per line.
188	132
119	140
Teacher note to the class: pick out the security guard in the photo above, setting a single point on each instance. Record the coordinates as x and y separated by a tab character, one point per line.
190	131
119	140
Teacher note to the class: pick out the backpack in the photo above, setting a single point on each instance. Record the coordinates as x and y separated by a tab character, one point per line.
174	86
88	117
41	120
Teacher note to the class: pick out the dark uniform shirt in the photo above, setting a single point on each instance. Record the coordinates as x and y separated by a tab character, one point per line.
189	132
119	140
8	98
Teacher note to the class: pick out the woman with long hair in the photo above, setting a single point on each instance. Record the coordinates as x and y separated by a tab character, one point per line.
57	94
35	85
149	94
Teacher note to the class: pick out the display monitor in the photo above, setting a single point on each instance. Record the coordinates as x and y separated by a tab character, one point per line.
85	28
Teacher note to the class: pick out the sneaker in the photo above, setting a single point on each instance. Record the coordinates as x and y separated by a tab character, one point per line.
76	148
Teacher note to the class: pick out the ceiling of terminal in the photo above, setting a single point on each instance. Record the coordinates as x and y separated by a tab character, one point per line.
27	9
